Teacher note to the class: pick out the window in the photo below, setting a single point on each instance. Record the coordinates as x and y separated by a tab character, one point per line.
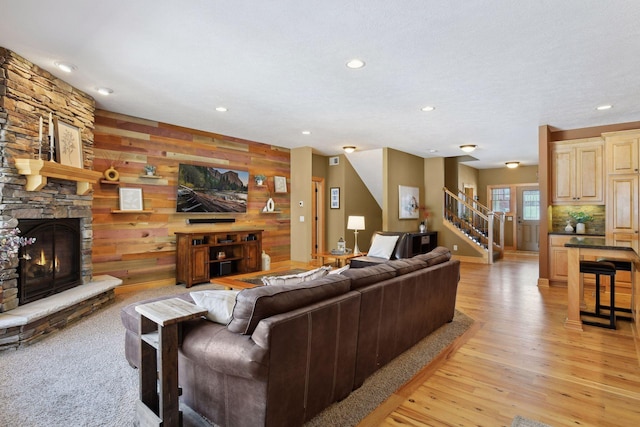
531	205
501	199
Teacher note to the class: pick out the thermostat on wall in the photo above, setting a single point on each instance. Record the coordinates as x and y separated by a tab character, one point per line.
334	161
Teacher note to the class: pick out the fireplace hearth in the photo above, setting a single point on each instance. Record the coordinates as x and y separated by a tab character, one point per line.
51	264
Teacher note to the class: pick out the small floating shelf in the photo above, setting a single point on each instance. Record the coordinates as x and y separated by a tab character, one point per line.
150	176
37	172
119	211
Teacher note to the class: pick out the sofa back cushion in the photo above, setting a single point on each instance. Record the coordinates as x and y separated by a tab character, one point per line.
436	256
255	304
407	265
365	276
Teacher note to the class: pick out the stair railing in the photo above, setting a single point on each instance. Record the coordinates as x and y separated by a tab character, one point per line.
477	221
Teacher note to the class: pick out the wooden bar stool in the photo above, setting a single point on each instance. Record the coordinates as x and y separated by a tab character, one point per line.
601	268
620	266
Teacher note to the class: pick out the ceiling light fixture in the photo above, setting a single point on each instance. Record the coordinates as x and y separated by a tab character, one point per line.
221	109
604	107
105	91
468	148
65	66
306	132
355	63
428	108
512	165
349	149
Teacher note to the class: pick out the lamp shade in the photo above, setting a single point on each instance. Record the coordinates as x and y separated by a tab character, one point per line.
355	223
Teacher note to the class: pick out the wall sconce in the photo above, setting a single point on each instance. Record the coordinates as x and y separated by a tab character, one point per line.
512	165
468	148
349	149
355	223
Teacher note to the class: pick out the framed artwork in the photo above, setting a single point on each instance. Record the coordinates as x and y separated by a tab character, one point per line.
334	202
68	144
409	202
280	184
130	199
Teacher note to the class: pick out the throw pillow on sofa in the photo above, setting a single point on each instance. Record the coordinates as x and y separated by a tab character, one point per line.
219	304
382	246
294	279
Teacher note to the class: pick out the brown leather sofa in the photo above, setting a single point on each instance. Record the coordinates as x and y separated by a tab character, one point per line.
291	351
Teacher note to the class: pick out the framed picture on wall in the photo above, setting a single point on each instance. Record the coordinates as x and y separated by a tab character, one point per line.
130	199
334	202
68	144
409	202
280	184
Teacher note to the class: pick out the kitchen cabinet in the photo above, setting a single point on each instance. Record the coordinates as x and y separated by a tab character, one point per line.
622	152
577	171
622	210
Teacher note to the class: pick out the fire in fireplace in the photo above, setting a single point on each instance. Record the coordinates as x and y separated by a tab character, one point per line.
52	264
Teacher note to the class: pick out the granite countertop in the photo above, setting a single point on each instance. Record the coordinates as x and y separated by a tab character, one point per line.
594	243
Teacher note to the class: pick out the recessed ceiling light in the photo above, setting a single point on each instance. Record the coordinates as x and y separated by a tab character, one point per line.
221	109
65	66
468	148
428	108
105	91
432	150
355	63
306	132
349	149
604	107
512	165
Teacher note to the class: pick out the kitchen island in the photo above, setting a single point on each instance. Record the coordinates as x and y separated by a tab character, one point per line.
578	247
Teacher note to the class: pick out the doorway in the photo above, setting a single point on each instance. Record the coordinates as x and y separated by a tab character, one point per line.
528	225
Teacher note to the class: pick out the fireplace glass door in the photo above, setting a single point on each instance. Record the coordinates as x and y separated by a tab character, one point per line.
52	264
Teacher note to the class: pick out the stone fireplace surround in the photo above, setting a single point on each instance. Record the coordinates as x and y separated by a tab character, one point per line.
27	93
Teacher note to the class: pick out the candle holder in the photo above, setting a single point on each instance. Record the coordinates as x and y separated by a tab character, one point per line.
52	151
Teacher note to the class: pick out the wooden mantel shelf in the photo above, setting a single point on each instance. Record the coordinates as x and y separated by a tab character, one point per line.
37	172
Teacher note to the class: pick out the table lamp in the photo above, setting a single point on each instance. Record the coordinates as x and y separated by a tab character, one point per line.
355	223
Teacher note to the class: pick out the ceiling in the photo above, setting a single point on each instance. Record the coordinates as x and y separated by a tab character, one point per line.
493	69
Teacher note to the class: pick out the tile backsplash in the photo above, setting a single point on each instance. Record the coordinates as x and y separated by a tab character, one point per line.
560	215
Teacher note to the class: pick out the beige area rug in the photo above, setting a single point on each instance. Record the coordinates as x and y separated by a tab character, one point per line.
80	377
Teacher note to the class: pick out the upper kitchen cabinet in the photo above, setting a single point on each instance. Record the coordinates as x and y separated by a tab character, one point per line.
622	152
577	169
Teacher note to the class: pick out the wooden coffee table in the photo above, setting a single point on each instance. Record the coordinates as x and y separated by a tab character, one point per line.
339	260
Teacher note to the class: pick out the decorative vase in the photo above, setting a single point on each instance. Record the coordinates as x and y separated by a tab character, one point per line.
568	228
111	174
422	227
266	261
271	205
258	182
580	228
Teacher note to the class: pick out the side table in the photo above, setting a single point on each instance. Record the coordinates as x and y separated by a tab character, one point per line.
340	259
158	371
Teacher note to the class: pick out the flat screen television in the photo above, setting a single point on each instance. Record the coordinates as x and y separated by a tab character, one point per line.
209	189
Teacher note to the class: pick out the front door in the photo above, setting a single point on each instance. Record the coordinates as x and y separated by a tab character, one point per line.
528	227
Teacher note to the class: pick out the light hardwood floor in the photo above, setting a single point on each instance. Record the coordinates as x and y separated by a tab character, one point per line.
518	359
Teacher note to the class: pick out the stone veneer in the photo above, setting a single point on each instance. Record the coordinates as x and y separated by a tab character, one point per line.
27	93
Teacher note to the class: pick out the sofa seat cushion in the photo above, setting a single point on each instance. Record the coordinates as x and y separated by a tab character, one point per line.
255	304
365	276
437	256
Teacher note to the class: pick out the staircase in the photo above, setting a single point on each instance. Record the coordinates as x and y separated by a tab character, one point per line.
476	223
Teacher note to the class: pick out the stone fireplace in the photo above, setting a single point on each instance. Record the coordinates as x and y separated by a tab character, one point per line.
26	94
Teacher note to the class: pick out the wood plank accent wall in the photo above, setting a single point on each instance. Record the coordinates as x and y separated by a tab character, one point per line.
139	248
